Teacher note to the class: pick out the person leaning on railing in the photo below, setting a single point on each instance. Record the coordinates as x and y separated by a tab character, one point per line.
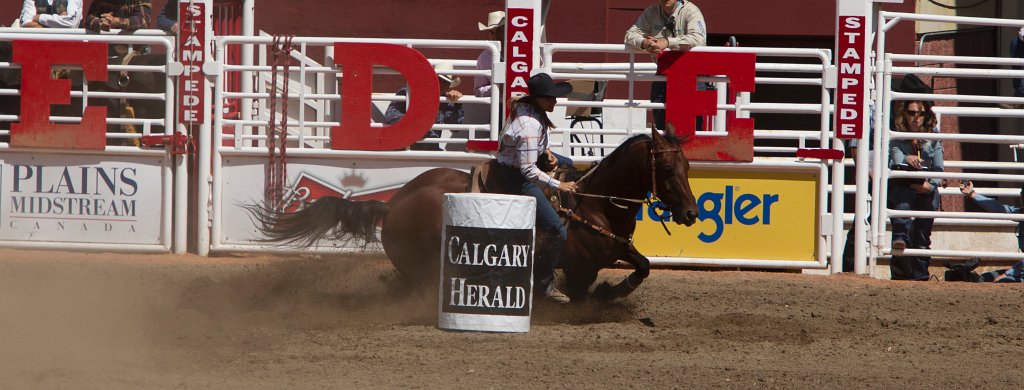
51	13
676	25
129	15
912	193
126	15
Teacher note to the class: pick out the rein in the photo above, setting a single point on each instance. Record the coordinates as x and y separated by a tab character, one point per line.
649	201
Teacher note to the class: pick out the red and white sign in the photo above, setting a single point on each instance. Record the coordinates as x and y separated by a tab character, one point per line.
519	57
39	91
684	103
192	53
851	89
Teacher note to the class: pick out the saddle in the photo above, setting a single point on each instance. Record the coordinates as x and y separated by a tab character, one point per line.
487	177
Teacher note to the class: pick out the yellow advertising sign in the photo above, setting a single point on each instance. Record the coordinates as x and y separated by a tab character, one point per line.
742	215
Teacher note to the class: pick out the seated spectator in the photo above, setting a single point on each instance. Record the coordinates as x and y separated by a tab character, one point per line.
449	112
51	13
913	194
908	84
127	15
168	18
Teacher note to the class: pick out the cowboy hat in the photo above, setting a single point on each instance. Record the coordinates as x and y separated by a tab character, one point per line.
541	84
445	66
494	20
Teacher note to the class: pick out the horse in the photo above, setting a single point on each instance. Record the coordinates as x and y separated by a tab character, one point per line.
602	216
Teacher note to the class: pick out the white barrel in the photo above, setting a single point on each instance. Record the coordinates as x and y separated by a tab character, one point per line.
486	262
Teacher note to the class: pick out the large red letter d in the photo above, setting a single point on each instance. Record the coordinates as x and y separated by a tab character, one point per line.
356	61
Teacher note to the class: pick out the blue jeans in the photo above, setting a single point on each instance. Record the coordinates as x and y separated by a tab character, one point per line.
916	232
551	236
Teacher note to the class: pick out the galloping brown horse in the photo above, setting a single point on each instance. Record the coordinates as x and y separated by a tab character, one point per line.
600	235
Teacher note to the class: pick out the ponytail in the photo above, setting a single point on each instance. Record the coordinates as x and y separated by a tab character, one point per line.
531	101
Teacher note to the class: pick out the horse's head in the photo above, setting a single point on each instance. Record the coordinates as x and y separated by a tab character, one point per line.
671	177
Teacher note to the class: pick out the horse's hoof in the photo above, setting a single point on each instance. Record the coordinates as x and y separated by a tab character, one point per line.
604	292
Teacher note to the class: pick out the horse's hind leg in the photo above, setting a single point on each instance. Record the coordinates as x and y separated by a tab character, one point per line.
641	269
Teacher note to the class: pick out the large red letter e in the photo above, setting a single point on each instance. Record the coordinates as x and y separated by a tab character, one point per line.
356	61
39	91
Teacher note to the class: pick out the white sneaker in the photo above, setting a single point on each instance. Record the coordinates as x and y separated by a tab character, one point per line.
553	295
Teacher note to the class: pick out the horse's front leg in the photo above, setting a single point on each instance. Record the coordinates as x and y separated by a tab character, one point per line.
641	269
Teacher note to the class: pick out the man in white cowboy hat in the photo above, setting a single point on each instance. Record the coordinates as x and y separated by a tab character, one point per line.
448	112
495	29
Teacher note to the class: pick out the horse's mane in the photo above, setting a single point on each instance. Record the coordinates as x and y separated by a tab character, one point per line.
573	174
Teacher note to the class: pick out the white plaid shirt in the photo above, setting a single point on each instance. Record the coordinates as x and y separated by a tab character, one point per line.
522	142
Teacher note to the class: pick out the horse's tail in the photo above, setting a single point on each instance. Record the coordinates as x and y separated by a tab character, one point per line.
327	217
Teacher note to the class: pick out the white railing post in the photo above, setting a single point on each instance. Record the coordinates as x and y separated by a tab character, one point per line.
853	63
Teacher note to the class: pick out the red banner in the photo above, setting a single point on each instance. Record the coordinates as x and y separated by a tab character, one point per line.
852	81
192	54
519	51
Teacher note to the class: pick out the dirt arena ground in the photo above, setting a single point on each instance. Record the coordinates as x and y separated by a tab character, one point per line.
106	321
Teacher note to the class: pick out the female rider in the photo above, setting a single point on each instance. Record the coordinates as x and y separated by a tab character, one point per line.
524	141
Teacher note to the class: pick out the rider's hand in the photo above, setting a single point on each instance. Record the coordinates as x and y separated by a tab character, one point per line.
567	186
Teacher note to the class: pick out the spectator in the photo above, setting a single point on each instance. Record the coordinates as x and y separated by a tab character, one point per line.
1013	274
51	13
495	28
168	18
449	112
521	147
913	194
993	206
908	84
127	15
676	25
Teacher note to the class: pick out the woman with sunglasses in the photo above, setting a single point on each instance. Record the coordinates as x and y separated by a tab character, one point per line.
913	116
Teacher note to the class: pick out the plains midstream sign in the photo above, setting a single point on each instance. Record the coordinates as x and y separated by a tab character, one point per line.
85	199
741	215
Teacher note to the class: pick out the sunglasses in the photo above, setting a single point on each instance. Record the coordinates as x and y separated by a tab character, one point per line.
914	112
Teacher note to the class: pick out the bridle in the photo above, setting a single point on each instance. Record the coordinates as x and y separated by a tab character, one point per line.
649	201
654	182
